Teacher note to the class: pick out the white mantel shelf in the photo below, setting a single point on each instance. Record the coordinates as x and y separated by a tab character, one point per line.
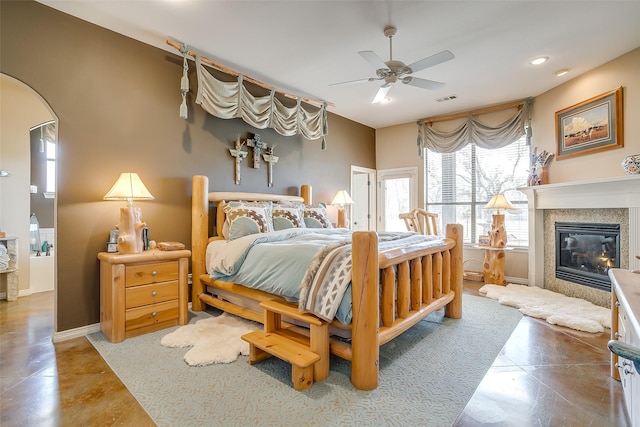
617	192
614	192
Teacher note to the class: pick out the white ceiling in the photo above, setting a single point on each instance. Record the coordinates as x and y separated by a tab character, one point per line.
304	46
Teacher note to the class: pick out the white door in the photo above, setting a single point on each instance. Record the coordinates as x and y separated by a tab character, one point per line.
363	195
398	194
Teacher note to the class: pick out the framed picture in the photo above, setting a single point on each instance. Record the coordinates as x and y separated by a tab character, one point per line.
591	126
483	240
113	236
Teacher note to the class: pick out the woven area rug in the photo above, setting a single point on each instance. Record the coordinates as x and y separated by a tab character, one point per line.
427	375
555	308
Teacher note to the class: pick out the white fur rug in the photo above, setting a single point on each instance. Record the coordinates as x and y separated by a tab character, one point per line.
214	340
555	308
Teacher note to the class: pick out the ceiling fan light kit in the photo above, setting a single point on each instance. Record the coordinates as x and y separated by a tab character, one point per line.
393	71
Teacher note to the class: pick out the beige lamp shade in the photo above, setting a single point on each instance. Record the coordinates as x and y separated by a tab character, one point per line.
342	198
128	187
499	202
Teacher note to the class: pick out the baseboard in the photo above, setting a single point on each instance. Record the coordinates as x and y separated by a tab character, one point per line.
517	280
21	293
75	333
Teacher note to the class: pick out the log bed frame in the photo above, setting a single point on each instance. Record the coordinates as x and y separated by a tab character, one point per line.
392	290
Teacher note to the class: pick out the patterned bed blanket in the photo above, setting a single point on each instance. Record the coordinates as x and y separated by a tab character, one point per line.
310	266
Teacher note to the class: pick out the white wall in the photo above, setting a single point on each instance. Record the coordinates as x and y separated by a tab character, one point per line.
396	145
20	109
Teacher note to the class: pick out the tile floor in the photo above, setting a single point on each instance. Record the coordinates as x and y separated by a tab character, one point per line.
544	376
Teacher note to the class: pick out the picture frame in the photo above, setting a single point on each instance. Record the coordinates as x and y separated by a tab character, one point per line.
590	126
483	240
113	236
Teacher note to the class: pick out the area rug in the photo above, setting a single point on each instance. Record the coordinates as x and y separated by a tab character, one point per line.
555	308
427	376
212	340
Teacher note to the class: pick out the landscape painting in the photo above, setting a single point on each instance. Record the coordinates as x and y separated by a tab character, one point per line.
590	126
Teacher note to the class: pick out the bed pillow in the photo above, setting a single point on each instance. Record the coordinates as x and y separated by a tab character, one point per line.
315	216
244	218
290	215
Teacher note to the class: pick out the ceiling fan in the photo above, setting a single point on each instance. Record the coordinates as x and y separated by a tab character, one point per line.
393	71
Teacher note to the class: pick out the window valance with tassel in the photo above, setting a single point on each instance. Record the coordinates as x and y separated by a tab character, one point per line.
474	131
229	100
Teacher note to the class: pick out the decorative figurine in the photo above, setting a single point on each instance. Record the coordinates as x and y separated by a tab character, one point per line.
258	147
271	160
239	155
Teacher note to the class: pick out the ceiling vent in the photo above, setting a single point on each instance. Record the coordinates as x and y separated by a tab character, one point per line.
446	98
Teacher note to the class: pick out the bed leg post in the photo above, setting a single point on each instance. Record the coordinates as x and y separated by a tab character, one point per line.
454	308
366	307
199	236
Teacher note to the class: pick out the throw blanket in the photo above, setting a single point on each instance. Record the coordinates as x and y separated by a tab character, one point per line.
310	266
329	273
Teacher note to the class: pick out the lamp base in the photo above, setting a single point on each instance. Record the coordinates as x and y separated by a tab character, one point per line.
342	218
130	231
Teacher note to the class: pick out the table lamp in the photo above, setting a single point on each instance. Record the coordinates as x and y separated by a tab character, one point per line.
342	198
129	187
498	234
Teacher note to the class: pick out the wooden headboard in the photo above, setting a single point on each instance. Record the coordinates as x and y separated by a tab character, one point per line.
201	202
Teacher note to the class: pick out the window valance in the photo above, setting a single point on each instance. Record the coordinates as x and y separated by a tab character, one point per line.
475	131
228	100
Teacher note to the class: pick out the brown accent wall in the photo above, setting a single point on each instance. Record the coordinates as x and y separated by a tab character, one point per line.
117	101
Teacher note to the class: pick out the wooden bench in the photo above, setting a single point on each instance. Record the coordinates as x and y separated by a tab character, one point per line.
308	355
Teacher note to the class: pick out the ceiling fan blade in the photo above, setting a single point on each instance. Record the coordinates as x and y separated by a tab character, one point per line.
430	61
423	83
382	93
370	79
372	58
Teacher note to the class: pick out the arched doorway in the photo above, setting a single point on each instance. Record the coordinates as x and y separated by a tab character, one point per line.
22	109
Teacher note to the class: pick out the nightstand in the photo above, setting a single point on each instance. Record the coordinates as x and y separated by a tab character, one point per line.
143	292
493	266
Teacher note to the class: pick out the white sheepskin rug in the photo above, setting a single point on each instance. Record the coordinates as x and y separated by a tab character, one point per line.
214	340
555	308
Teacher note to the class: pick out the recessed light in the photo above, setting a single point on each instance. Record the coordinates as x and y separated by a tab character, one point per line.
385	100
539	60
561	72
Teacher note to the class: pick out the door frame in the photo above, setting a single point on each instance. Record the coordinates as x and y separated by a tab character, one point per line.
410	172
371	173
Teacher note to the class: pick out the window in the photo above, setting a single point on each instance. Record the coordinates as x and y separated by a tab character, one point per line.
50	151
459	184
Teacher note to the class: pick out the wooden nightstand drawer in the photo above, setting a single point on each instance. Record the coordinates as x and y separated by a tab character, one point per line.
142	292
151	273
151	314
151	294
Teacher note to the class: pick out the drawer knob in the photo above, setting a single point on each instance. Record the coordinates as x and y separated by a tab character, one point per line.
154	293
153	273
617	335
154	314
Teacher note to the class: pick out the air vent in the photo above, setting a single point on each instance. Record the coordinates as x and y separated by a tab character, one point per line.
447	98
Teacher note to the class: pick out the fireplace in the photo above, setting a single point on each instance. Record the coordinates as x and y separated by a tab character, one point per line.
586	251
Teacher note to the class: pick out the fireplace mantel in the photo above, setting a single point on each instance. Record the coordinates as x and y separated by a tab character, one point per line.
615	192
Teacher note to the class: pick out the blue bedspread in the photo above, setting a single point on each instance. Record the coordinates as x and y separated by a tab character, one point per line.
277	262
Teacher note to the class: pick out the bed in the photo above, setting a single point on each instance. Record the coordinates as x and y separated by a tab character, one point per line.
389	290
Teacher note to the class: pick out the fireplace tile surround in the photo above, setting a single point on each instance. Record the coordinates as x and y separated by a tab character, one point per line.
611	200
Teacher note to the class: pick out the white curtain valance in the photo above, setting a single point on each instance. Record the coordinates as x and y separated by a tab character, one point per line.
229	100
474	131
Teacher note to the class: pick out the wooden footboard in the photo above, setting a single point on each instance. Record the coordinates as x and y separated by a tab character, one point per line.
392	290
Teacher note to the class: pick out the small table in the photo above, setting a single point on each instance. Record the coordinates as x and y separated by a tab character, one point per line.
493	266
142	292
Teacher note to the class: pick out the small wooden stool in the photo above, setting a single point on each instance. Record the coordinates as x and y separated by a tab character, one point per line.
308	356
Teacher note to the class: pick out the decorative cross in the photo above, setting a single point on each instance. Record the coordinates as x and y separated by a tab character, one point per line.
239	156
258	147
271	160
